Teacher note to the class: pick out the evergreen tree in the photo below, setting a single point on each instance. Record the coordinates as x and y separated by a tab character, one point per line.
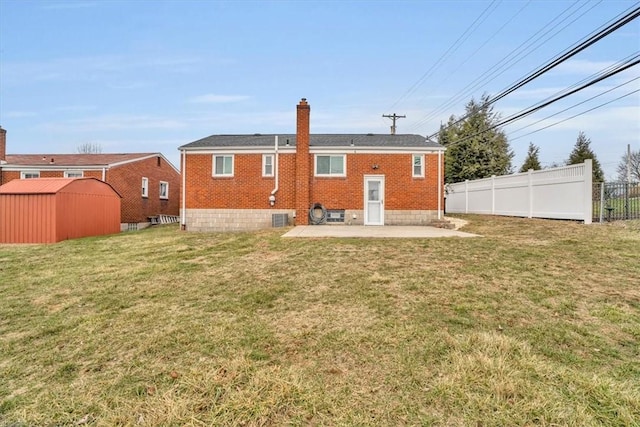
581	152
531	161
635	167
474	150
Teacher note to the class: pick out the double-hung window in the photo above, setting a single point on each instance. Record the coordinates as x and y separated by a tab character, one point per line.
330	165
267	165
164	190
418	166
223	165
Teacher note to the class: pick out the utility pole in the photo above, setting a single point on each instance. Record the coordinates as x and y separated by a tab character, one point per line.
393	117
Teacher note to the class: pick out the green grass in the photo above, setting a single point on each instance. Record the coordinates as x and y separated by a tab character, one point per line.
536	323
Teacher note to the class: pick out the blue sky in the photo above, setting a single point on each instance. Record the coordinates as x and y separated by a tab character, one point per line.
147	76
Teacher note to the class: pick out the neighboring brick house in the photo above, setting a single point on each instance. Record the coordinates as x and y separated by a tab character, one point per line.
237	182
148	183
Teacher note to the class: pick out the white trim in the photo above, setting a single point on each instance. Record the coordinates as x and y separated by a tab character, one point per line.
241	150
376	150
264	164
330	175
138	159
213	166
313	150
166	196
55	168
145	187
413	165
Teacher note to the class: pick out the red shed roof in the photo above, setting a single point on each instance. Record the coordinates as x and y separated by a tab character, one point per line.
42	185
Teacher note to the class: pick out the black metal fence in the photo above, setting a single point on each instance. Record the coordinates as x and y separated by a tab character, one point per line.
614	201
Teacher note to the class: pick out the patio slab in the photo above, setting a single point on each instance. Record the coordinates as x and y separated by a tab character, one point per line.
385	231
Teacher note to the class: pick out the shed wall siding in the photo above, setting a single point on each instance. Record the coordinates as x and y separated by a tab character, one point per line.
27	218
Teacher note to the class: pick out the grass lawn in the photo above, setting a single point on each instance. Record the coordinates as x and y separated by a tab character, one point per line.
536	323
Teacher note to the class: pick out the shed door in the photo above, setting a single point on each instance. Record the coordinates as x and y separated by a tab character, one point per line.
374	200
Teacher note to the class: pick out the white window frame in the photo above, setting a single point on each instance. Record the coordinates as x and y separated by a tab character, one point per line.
73	174
145	187
222	173
23	174
166	193
413	165
266	157
344	165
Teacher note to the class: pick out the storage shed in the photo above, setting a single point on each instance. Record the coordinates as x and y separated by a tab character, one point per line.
49	210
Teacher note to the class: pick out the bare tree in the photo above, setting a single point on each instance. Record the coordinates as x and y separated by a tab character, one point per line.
89	148
635	166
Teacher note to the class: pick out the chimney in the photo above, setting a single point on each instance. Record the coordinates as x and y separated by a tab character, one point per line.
3	145
303	162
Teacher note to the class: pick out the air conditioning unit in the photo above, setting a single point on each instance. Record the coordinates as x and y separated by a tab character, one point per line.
279	220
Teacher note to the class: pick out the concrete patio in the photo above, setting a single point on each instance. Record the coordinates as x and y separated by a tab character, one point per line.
371	231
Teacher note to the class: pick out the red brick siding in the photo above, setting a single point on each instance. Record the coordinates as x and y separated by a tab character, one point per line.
402	191
127	180
247	189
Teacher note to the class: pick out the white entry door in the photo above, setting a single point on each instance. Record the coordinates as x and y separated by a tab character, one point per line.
374	200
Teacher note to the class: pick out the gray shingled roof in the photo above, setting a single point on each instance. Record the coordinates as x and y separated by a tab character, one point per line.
317	140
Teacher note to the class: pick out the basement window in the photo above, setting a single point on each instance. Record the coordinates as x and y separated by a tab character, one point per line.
73	174
164	190
418	166
330	165
223	165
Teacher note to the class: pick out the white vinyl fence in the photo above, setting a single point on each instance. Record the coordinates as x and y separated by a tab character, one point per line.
562	193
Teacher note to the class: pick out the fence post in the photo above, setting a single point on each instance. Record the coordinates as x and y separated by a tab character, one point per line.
601	200
466	196
626	201
588	191
530	186
493	194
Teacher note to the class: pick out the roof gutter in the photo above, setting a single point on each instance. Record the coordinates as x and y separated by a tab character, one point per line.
272	197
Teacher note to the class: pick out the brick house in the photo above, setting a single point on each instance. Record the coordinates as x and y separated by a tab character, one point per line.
237	182
148	183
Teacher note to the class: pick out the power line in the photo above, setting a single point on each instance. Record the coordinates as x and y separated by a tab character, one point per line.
578	47
470	29
536	107
579	114
468	58
508	61
573	106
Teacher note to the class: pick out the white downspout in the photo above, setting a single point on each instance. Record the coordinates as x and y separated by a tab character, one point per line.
183	172
439	184
272	198
104	174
